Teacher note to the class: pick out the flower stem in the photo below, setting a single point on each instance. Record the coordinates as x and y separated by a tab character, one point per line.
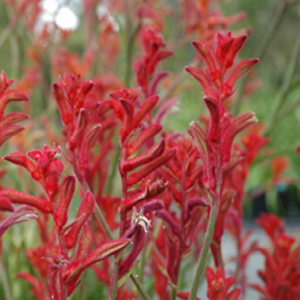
114	282
263	47
81	295
285	113
209	232
173	292
140	288
129	52
6	287
97	210
286	84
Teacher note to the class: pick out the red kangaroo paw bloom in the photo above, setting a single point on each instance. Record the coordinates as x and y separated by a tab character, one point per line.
202	142
148	156
239	124
151	190
239	70
23	198
203	80
67	189
81	124
12	118
74	270
85	210
144	136
164	215
85	242
138	245
228	49
145	109
219	285
156	163
21	160
12	95
153	42
209	59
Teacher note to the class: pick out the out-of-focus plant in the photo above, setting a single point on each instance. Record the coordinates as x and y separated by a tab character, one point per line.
117	186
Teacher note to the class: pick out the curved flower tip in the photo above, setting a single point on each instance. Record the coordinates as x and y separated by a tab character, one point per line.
5	204
185	296
21	214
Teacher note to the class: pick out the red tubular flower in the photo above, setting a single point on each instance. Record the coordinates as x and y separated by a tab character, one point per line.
156	163
185	295
7	123
219	285
75	269
85	242
67	189
21	160
228	48
151	190
152	43
205	19
144	136
271	224
23	198
21	214
38	287
70	95
85	210
242	67
6	204
215	144
145	158
139	240
280	277
46	170
174	257
80	127
239	124
218	63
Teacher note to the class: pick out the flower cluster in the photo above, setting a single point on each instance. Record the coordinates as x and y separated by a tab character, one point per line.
118	192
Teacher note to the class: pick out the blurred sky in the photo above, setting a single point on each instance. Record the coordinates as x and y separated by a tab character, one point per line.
63	13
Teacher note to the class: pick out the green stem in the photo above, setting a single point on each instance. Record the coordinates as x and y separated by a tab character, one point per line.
81	295
97	210
143	262
140	288
262	49
209	233
5	34
272	29
102	221
129	54
114	282
286	112
173	292
5	282
286	84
